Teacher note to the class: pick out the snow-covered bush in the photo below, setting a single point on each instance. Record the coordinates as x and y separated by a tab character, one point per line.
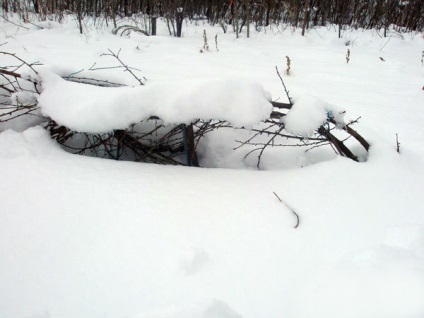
19	91
163	122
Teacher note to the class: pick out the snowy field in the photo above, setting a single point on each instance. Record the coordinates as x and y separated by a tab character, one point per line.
83	237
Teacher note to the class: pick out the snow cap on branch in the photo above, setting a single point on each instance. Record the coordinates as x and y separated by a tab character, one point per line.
309	113
93	109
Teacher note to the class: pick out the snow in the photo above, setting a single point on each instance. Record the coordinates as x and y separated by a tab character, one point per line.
204	309
308	114
92	238
93	109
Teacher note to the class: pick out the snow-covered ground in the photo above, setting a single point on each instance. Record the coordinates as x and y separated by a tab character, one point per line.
92	238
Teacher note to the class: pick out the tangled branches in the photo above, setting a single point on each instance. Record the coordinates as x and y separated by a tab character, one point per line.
17	92
147	141
151	140
273	133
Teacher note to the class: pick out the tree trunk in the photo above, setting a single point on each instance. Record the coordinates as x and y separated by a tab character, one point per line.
248	18
190	147
305	18
79	13
153	20
179	22
113	12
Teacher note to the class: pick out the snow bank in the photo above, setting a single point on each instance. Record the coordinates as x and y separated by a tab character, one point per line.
308	114
93	109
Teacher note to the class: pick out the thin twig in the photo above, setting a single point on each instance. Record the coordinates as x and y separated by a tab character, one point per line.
386	43
290	208
270	141
284	85
126	67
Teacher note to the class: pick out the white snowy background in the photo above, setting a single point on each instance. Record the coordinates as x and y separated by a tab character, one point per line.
93	238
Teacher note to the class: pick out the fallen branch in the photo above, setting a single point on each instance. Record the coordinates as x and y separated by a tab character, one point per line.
354	133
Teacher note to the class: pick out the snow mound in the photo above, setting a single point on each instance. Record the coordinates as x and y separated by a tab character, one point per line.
32	142
92	109
308	114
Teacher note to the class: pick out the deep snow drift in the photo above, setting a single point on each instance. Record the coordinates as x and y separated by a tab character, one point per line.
86	237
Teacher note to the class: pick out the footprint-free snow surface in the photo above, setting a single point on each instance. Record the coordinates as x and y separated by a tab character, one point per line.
85	237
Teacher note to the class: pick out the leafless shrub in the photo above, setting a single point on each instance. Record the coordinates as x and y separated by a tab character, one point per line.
18	88
151	140
272	133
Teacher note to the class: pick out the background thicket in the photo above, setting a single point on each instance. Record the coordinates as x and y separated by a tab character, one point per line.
406	15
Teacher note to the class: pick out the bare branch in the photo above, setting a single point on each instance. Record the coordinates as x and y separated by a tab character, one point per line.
291	209
284	85
125	66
